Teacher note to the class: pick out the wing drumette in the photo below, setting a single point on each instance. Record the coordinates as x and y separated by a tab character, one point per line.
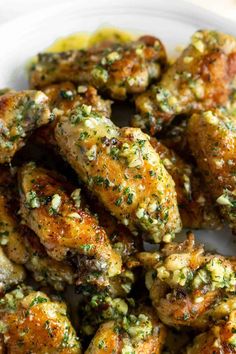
20	113
33	323
63	227
117	69
195	205
188	287
122	169
201	78
135	333
220	339
212	140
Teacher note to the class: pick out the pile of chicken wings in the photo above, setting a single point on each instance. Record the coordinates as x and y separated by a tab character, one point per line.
76	215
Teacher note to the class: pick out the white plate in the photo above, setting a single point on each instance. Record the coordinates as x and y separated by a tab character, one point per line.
172	21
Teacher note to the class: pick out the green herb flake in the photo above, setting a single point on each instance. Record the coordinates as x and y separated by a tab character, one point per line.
130	198
118	202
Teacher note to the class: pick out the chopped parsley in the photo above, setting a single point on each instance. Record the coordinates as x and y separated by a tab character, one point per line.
118	202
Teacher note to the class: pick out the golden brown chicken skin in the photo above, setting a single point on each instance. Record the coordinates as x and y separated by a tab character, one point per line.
140	333
11	237
220	339
33	323
201	78
212	140
188	287
53	212
115	68
122	169
63	98
195	205
21	245
66	96
10	233
20	113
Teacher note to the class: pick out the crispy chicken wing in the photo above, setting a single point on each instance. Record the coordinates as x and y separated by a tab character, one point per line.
220	339
122	169
65	229
21	245
118	69
10	233
63	98
11	274
135	333
190	288
212	139
201	78
20	113
33	323
10	230
195	205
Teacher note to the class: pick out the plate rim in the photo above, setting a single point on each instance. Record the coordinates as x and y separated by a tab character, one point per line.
181	9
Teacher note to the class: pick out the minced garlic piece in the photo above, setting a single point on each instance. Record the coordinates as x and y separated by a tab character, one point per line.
223	200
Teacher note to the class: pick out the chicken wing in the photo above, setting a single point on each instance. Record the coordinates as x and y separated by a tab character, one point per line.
66	230
20	113
195	205
201	78
11	237
122	169
190	288
118	69
212	139
11	274
63	98
33	323
21	245
220	339
139	333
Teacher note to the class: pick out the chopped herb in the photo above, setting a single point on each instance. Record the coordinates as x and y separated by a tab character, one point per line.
37	300
48	328
152	173
67	95
141	142
130	198
83	135
186	316
65	339
118	201
114	153
100	74
4	233
126	190
101	344
98	180
86	248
